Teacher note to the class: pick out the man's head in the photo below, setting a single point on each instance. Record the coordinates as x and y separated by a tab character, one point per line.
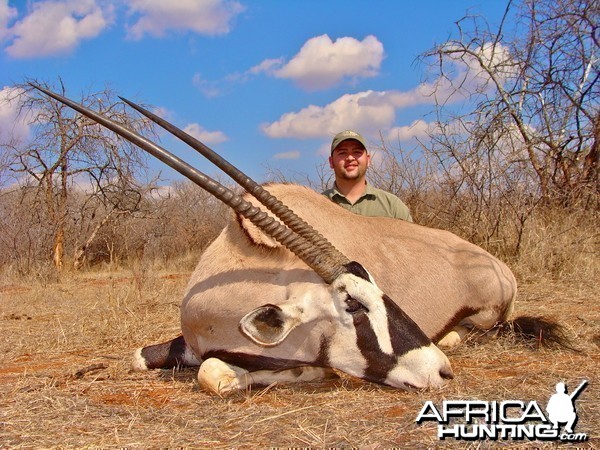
349	157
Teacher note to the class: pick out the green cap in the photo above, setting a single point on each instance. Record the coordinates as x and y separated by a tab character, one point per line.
344	135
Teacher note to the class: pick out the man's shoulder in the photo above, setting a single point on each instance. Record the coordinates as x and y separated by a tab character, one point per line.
397	207
382	194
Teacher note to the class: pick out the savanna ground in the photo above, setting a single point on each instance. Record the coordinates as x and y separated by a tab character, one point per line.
65	378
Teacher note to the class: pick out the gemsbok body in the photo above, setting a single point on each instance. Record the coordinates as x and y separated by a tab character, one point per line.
440	281
309	287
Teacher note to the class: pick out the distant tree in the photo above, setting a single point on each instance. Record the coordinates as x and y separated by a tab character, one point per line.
536	124
69	156
187	219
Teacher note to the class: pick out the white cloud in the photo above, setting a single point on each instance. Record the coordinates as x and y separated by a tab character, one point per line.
193	129
373	111
12	126
205	136
163	112
368	111
6	15
54	27
319	64
294	154
322	63
465	74
267	66
418	129
400	99
208	88
492	55
163	192
157	17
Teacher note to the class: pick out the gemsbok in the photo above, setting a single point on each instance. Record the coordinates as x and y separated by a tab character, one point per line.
289	295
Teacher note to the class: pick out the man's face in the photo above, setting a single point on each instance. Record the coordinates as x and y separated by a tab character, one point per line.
349	160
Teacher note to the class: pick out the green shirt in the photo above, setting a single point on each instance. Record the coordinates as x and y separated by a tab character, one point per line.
374	202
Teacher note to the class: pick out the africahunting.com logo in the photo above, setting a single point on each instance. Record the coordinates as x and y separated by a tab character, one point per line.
509	419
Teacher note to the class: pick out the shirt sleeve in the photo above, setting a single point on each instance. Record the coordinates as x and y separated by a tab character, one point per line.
402	212
399	209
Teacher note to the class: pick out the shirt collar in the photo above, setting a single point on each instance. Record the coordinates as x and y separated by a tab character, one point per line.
369	192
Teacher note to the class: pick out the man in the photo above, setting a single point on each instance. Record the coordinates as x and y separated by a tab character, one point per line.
349	160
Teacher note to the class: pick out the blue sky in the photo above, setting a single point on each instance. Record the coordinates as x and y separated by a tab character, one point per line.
265	83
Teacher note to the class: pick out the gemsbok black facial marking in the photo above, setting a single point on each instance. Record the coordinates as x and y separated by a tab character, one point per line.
378	363
405	334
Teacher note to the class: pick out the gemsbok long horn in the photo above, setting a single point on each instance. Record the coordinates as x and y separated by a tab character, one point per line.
322	263
283	213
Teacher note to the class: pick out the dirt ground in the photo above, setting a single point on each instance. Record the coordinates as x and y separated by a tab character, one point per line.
65	379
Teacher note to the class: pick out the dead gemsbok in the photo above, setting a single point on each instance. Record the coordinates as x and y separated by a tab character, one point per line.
274	299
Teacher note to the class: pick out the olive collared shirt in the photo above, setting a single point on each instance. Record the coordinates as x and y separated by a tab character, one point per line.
374	202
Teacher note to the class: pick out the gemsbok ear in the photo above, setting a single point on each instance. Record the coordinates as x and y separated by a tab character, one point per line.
269	325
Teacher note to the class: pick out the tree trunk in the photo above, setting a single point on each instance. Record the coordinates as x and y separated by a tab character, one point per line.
59	248
59	241
592	159
80	256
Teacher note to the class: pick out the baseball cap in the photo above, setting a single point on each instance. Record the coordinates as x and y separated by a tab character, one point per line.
344	135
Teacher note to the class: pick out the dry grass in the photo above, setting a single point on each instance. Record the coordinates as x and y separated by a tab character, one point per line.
65	380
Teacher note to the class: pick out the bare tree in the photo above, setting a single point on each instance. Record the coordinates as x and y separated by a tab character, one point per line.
69	154
536	90
188	220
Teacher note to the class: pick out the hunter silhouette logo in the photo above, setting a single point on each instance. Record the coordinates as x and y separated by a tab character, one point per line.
509	419
561	406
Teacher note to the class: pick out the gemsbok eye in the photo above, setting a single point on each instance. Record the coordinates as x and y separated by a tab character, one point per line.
354	306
